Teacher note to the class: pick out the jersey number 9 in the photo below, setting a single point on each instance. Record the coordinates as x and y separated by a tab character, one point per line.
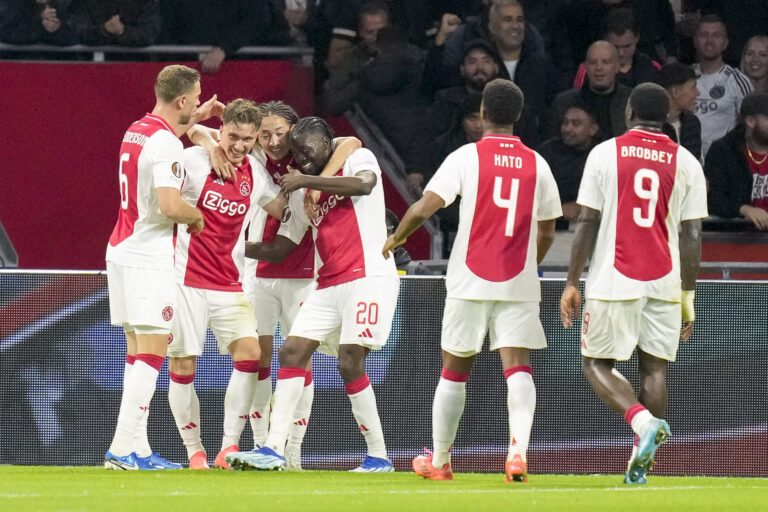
646	188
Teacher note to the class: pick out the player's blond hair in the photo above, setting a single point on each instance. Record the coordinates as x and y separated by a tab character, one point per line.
173	81
241	111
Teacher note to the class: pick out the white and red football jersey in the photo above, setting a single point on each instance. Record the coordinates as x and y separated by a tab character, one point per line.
505	189
214	259
151	156
644	185
349	232
300	263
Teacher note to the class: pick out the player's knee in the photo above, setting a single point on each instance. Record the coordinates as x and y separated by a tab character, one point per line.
182	365
245	349
291	354
351	366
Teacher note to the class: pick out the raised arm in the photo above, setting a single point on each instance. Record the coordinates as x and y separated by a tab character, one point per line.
416	215
273	252
360	184
345	146
690	259
583	244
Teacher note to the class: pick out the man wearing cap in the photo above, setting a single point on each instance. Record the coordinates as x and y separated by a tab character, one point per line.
737	166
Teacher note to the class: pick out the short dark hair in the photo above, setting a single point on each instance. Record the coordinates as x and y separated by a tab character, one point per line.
312	125
580	105
502	101
619	21
371	9
649	102
712	18
478	44
278	108
675	74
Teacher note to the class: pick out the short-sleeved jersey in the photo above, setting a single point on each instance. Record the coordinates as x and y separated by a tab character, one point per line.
349	232
214	259
300	263
719	101
644	185
151	156
505	189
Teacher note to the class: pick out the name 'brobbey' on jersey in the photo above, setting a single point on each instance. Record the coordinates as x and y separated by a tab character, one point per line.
505	189
151	156
645	185
349	232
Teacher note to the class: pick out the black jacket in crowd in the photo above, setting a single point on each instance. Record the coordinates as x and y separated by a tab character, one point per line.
729	176
690	133
612	121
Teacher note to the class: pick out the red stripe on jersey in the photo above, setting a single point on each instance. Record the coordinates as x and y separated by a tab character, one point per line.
130	150
338	241
647	164
224	205
300	262
501	224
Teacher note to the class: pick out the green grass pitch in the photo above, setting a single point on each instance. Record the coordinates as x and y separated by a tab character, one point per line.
87	488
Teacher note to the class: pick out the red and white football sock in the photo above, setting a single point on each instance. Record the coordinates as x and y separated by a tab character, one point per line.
135	403
447	409
288	391
521	403
363	402
298	428
638	417
185	407
238	400
259	413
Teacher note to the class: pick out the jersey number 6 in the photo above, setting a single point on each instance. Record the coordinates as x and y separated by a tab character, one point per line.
123	182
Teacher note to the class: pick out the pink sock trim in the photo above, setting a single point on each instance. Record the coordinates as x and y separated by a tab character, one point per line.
182	379
632	411
265	373
637	440
454	376
152	360
308	378
130	359
290	373
247	366
358	385
514	369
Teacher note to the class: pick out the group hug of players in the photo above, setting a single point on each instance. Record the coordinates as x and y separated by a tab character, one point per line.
316	260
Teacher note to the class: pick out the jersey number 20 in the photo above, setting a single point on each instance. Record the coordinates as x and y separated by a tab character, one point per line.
646	188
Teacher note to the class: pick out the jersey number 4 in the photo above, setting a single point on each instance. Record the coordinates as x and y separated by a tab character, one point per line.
124	182
647	188
509	203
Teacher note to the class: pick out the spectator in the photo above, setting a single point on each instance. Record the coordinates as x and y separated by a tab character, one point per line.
129	23
743	20
754	62
567	153
38	21
601	93
682	124
737	166
241	23
467	126
518	47
721	86
634	67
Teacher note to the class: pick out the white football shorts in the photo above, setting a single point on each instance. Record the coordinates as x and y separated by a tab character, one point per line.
359	312
228	314
510	324
141	297
612	329
277	300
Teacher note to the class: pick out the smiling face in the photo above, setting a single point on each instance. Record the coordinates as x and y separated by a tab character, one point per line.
311	151
710	40
755	60
507	25
478	68
273	136
237	140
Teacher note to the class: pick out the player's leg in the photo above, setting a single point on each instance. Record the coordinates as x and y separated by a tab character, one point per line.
126	461
185	407
515	330
367	309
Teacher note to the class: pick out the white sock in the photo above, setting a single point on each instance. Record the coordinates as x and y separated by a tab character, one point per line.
185	407
298	428
521	402
135	403
259	413
364	410
447	408
288	391
141	445
238	400
640	420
